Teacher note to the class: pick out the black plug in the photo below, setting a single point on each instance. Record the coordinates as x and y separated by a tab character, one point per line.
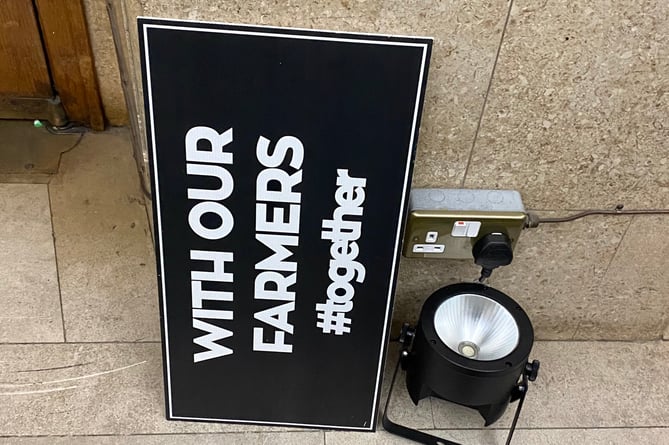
492	251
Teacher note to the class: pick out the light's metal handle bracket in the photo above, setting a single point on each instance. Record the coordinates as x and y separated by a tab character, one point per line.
519	392
404	431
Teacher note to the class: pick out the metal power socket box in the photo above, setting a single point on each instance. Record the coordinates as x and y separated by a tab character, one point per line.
446	223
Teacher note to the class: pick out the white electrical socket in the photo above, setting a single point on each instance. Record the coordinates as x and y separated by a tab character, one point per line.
428	248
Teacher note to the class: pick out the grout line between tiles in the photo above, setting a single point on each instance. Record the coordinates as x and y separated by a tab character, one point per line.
111	342
25	182
558	428
63	153
434	422
583	209
487	93
121	342
53	232
186	433
606	270
615	251
542	428
302	431
55	256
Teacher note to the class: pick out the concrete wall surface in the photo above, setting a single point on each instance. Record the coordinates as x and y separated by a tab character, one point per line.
566	102
106	64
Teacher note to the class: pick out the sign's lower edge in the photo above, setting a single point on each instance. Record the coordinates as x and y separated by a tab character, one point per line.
371	428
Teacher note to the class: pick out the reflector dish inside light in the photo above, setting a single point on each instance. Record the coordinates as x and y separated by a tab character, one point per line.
471	322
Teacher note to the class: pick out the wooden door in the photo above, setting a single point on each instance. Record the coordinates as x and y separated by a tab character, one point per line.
25	84
20	42
46	63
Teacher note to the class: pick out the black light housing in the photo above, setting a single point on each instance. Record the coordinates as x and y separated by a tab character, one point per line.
470	347
434	368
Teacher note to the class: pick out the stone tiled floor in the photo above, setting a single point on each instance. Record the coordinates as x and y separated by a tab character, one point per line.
80	346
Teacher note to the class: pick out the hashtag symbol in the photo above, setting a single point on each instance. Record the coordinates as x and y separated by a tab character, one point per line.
331	319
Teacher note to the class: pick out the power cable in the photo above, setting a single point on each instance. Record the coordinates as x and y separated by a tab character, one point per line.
534	220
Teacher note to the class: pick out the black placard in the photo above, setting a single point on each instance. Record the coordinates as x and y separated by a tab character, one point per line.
281	164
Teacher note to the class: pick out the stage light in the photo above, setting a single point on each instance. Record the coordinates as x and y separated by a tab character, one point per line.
470	347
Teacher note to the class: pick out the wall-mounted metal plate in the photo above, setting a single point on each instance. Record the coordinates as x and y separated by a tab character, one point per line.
446	223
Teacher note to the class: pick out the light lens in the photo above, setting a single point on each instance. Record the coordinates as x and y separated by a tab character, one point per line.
476	327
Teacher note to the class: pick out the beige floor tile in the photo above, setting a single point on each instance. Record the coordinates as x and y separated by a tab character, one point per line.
89	389
29	303
614	436
418	278
106	62
466	36
558	271
555	275
402	409
586	385
294	13
617	436
105	255
382	437
283	438
29	154
633	301
577	110
108	389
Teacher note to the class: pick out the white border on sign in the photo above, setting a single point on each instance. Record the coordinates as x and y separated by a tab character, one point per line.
145	27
